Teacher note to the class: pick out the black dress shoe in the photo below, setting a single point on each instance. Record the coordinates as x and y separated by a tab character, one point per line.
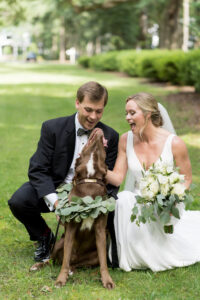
43	250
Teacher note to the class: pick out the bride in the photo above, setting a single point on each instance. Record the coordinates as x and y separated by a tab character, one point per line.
148	246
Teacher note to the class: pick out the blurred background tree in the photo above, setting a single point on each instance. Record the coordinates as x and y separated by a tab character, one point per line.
95	26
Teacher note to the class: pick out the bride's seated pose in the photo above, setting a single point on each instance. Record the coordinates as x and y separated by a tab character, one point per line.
147	245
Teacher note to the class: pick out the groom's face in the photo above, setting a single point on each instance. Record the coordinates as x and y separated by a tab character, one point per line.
89	112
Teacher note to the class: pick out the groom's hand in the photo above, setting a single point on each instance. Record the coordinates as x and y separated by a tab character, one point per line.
96	131
99	132
57	217
55	204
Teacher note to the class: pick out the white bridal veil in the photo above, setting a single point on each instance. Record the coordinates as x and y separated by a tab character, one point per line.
166	119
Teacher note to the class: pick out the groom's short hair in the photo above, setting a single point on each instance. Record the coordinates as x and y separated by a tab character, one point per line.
94	91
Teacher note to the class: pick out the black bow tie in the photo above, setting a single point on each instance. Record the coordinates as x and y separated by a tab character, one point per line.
82	131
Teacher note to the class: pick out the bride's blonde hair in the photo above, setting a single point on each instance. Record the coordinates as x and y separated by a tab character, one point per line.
148	104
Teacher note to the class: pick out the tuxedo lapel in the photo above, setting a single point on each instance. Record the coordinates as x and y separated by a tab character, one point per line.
70	138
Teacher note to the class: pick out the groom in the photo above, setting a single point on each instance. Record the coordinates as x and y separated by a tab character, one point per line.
61	141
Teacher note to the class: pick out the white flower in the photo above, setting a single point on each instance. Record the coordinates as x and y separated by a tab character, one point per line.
143	193
151	195
143	184
174	177
170	169
150	179
162	179
154	187
147	194
165	188
163	168
179	190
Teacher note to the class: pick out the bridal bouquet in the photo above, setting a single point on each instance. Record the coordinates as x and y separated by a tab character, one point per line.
162	195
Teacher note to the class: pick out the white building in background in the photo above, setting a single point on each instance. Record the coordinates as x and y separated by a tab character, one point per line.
153	31
15	41
72	55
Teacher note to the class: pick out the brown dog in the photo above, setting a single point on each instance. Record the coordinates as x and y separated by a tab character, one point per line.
84	243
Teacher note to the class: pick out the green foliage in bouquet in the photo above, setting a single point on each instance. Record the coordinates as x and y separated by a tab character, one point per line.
79	208
162	190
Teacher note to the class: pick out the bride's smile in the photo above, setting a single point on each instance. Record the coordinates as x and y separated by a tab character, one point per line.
134	116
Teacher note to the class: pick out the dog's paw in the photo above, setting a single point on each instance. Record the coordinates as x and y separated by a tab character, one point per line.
61	280
60	283
33	268
38	266
108	283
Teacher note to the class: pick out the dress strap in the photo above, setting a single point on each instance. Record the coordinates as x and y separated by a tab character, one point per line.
168	142
129	144
167	151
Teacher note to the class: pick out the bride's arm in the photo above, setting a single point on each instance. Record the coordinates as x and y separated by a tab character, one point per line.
116	176
182	160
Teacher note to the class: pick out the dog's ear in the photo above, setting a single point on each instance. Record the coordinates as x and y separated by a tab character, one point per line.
77	163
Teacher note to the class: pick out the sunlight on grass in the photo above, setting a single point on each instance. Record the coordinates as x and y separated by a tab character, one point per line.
29	95
45	78
23	74
192	139
3	225
27	127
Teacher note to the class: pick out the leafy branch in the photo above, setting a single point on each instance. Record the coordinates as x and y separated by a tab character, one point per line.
80	208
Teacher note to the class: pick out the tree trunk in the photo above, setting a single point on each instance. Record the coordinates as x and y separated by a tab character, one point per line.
98	45
90	48
186	21
62	54
143	21
168	27
54	47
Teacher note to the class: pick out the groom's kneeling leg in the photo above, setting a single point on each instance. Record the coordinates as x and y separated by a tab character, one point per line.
27	208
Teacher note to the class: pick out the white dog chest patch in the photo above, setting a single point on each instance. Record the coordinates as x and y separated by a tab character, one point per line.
90	165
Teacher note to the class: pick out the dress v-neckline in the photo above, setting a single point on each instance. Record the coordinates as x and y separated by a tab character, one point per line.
156	159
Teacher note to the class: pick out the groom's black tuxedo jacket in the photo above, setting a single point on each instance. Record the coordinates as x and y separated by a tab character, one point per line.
52	159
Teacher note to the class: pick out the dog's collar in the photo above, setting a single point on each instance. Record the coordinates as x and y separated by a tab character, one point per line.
88	180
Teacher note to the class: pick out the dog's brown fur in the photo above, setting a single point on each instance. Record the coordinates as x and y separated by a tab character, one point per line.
85	247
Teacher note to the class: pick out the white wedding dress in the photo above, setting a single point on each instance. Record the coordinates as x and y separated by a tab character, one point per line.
148	246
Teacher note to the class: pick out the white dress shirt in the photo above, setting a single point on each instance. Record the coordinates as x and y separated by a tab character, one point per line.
81	141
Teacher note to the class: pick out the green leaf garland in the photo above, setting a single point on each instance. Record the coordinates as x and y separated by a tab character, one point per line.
81	208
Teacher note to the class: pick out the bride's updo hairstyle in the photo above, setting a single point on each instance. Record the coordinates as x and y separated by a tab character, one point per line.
147	103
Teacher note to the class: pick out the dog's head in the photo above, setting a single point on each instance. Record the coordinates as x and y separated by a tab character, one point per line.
91	163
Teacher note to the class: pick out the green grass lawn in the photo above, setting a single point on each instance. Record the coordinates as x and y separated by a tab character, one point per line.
29	95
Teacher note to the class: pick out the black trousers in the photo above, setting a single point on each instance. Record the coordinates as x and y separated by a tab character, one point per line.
27	208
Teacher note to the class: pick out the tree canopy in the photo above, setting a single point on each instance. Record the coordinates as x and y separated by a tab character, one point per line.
93	26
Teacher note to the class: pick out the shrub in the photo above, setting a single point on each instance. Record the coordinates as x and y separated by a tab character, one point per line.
195	75
127	62
170	65
84	61
173	66
192	60
146	63
106	61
